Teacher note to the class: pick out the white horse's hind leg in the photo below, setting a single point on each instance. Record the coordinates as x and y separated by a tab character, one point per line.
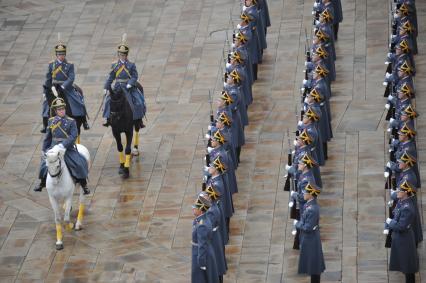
57	212
80	214
68	225
135	149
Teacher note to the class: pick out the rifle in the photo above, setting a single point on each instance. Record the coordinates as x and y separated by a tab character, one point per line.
211	117
289	163
391	111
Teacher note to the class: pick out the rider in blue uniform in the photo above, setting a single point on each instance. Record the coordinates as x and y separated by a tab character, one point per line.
126	78
62	132
61	73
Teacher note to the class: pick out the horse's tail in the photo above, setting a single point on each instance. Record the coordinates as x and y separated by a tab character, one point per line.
82	150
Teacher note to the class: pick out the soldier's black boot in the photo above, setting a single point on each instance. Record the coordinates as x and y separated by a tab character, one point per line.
45	120
40	186
85	125
107	123
315	278
83	184
410	278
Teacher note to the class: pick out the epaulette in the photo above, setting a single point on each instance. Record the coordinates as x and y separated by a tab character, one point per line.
69	118
201	221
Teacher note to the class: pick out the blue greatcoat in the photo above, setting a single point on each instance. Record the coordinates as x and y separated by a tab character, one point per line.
403	250
311	259
64	131
125	73
214	215
62	73
202	252
225	195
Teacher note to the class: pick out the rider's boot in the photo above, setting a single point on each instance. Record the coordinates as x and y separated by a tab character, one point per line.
83	183
85	125
40	186
106	123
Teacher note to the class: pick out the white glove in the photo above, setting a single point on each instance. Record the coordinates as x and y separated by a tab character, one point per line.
389	54
209	127
386	174
209	149
390	203
295	222
44	96
294	232
287	167
244	8
302	90
390	150
228	65
388	164
386	62
105	91
390	97
128	86
300	123
386	231
385	83
317	22
304	81
313	12
238	26
293	193
388	220
62	86
306	63
393	36
206	169
388	75
203	268
294	143
315	4
205	178
387	106
290	204
293	151
207	136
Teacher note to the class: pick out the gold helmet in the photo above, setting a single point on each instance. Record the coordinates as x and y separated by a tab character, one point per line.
406	68
403	45
60	48
406	130
236	55
407	187
321	70
241	37
217	136
226	97
410	112
123	47
245	17
235	76
212	192
316	95
321	52
311	114
408	159
56	103
312	189
305	137
307	160
217	163
321	35
326	15
404	9
406	89
408	27
202	203
223	118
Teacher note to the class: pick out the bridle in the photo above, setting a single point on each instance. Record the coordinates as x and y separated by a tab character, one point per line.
59	172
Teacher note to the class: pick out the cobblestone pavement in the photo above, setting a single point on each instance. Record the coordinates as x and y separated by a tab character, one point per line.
139	229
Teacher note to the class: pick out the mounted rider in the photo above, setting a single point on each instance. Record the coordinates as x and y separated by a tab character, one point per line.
126	78
61	73
62	132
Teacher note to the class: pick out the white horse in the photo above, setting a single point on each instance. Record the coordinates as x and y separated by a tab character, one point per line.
60	187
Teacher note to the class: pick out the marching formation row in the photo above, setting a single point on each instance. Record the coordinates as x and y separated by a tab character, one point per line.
403	226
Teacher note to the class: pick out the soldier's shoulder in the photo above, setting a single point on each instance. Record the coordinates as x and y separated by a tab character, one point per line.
69	118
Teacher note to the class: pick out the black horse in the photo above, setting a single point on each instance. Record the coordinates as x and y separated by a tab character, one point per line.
121	119
80	120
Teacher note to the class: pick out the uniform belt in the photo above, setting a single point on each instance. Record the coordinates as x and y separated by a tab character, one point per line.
58	139
122	80
194	244
57	82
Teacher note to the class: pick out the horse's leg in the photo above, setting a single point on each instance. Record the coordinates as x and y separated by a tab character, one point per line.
135	149
128	151
117	137
57	212
68	201
80	214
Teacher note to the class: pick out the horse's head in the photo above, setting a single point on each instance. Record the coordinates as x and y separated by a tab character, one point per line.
54	159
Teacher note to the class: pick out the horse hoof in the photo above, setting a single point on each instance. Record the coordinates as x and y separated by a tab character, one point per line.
135	151
126	173
121	169
69	226
77	226
59	246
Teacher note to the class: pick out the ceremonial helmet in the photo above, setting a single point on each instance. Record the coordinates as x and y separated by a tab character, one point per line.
321	35
326	15
308	160
218	136
406	187
406	90
406	130
407	26
321	52
60	47
311	114
408	159
245	17
226	97
311	189
56	103
321	70
316	95
403	45
410	112
123	47
235	76
202	203
236	55
212	192
306	137
241	37
224	119
404	9
406	68
218	164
